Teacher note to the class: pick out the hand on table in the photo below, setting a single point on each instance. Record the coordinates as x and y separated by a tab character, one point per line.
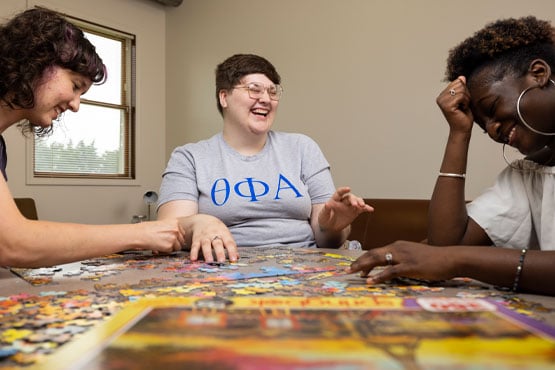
341	210
212	237
405	259
164	236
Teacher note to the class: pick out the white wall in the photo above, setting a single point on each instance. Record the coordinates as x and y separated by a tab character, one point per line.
107	204
360	77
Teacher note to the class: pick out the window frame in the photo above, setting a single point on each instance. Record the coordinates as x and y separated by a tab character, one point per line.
127	107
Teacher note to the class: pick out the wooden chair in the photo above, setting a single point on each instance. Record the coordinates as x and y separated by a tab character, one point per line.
392	219
27	207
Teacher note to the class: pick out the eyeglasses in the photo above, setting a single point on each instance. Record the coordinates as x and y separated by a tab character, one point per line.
256	90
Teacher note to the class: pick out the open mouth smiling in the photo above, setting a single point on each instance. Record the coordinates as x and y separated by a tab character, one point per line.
509	137
260	112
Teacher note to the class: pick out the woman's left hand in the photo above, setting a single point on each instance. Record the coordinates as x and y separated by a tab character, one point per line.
342	208
211	237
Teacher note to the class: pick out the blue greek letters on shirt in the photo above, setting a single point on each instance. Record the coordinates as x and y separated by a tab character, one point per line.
250	189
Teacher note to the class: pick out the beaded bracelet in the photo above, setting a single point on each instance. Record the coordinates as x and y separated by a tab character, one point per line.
519	269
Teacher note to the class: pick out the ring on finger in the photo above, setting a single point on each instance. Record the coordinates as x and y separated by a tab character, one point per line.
389	258
216	238
452	92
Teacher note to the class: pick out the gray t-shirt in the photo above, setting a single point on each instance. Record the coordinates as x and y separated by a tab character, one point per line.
264	199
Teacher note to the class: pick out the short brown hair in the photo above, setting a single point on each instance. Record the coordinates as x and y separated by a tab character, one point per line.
230	72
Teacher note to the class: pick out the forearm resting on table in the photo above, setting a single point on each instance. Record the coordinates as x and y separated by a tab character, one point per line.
498	266
41	243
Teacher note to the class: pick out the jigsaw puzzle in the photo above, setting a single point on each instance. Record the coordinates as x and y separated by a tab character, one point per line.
312	333
35	326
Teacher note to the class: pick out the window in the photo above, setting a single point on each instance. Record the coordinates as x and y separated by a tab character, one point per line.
97	141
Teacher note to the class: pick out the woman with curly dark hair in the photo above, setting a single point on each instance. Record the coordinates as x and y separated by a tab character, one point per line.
500	78
46	64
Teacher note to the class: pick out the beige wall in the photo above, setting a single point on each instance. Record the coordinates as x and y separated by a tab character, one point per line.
360	77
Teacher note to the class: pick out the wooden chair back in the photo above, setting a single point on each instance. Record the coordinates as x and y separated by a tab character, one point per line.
392	219
27	207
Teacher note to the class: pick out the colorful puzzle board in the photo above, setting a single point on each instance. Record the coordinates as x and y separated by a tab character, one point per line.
298	333
64	302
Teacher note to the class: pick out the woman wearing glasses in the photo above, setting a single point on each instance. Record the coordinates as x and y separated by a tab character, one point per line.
502	79
249	185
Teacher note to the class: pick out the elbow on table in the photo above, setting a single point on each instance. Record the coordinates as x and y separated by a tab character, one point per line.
16	247
10	257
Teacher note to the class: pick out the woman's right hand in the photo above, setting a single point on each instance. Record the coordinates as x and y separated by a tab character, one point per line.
163	236
454	102
406	259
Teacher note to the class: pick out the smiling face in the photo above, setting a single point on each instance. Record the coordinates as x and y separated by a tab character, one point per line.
59	90
245	115
494	108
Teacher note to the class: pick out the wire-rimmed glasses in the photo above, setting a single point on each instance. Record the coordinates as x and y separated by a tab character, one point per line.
256	90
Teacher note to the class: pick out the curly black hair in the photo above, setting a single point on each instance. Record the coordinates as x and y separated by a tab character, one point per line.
34	41
507	45
231	70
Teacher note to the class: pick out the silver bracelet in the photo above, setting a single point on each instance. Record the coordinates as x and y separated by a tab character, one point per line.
519	269
447	174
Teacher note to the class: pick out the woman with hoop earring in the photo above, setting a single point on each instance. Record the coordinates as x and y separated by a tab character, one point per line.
501	79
